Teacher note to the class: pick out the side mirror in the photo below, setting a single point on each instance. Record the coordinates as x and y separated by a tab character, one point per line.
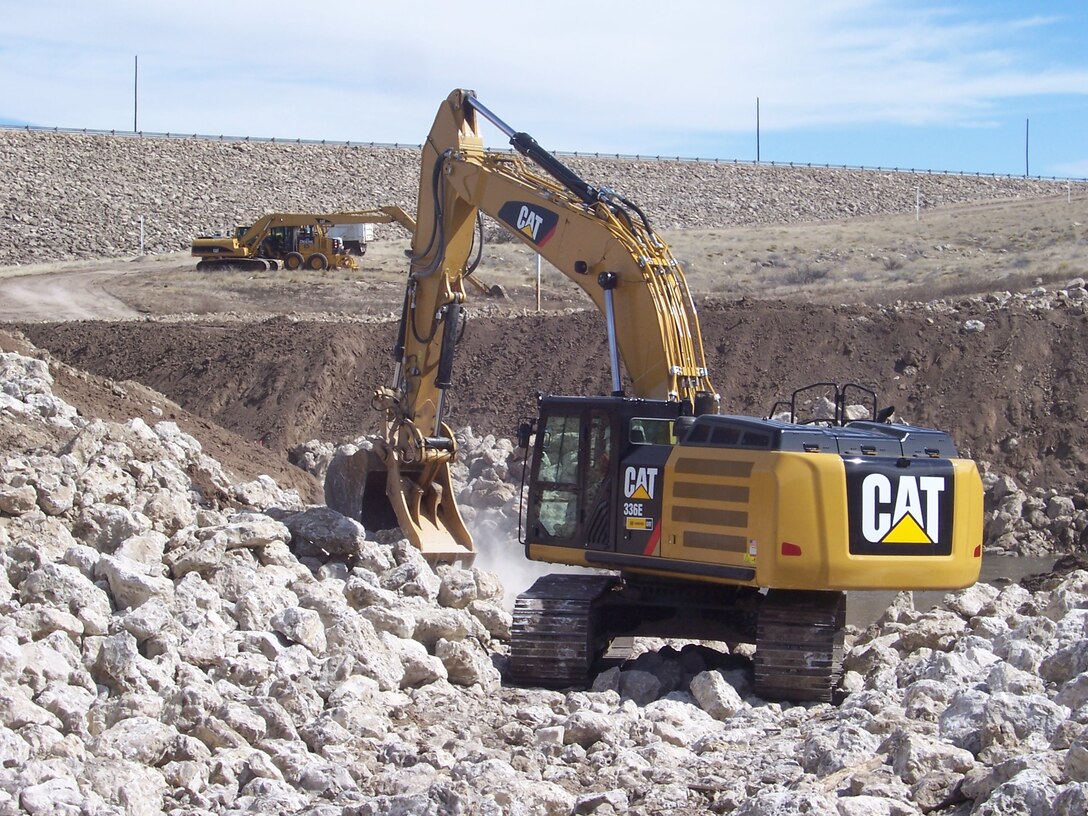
525	430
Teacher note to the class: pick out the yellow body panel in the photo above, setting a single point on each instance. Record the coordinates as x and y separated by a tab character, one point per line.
738	508
768	498
553	554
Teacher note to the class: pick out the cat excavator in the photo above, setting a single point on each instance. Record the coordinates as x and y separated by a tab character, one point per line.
295	240
694	523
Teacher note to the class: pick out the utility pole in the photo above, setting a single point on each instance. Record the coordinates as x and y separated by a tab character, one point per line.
135	90
1027	125
757	130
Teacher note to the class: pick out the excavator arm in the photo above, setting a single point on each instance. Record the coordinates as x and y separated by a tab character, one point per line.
380	215
257	232
599	239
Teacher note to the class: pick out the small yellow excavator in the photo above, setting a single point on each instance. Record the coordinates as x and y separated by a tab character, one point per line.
295	240
699	524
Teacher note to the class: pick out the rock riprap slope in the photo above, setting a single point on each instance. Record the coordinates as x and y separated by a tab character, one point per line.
174	640
71	195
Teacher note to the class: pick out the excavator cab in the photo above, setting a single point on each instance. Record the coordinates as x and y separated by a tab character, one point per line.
643	486
589	486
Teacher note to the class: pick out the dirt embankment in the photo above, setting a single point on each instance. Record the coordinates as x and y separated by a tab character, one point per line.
69	195
1012	393
105	399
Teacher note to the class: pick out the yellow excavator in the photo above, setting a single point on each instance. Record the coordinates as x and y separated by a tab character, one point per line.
295	240
699	524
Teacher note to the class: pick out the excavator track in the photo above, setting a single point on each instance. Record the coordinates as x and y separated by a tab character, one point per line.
799	645
554	637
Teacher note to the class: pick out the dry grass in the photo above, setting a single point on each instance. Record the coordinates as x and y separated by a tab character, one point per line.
953	251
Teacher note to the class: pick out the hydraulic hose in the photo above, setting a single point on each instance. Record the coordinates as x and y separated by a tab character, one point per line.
438	228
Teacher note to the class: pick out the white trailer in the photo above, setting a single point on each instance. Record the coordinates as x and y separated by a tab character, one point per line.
354	236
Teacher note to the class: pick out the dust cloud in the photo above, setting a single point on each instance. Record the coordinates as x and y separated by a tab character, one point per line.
498	550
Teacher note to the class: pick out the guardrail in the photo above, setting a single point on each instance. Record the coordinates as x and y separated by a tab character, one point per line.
579	154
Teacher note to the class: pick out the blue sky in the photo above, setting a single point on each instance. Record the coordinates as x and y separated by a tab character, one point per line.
944	86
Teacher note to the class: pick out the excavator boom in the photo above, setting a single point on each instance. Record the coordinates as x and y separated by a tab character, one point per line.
598	238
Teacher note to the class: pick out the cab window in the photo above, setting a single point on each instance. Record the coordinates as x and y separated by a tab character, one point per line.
651	431
558	476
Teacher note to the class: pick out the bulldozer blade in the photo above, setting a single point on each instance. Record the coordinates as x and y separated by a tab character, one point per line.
381	493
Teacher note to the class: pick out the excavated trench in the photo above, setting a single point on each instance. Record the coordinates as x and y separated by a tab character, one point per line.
1012	394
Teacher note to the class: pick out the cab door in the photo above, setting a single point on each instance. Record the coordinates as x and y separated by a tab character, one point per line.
572	485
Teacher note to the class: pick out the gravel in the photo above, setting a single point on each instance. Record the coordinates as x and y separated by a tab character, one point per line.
172	641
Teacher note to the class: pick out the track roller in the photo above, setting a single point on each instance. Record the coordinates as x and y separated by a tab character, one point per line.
554	637
799	645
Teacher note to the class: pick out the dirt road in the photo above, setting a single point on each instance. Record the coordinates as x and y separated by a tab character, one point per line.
61	296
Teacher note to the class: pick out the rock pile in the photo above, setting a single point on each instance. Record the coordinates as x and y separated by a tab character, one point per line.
1071	298
153	621
1040	522
69	195
173	640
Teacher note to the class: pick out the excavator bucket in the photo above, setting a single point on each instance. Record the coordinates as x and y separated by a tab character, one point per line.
376	489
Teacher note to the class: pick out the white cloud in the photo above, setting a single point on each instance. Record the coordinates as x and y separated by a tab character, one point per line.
577	75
